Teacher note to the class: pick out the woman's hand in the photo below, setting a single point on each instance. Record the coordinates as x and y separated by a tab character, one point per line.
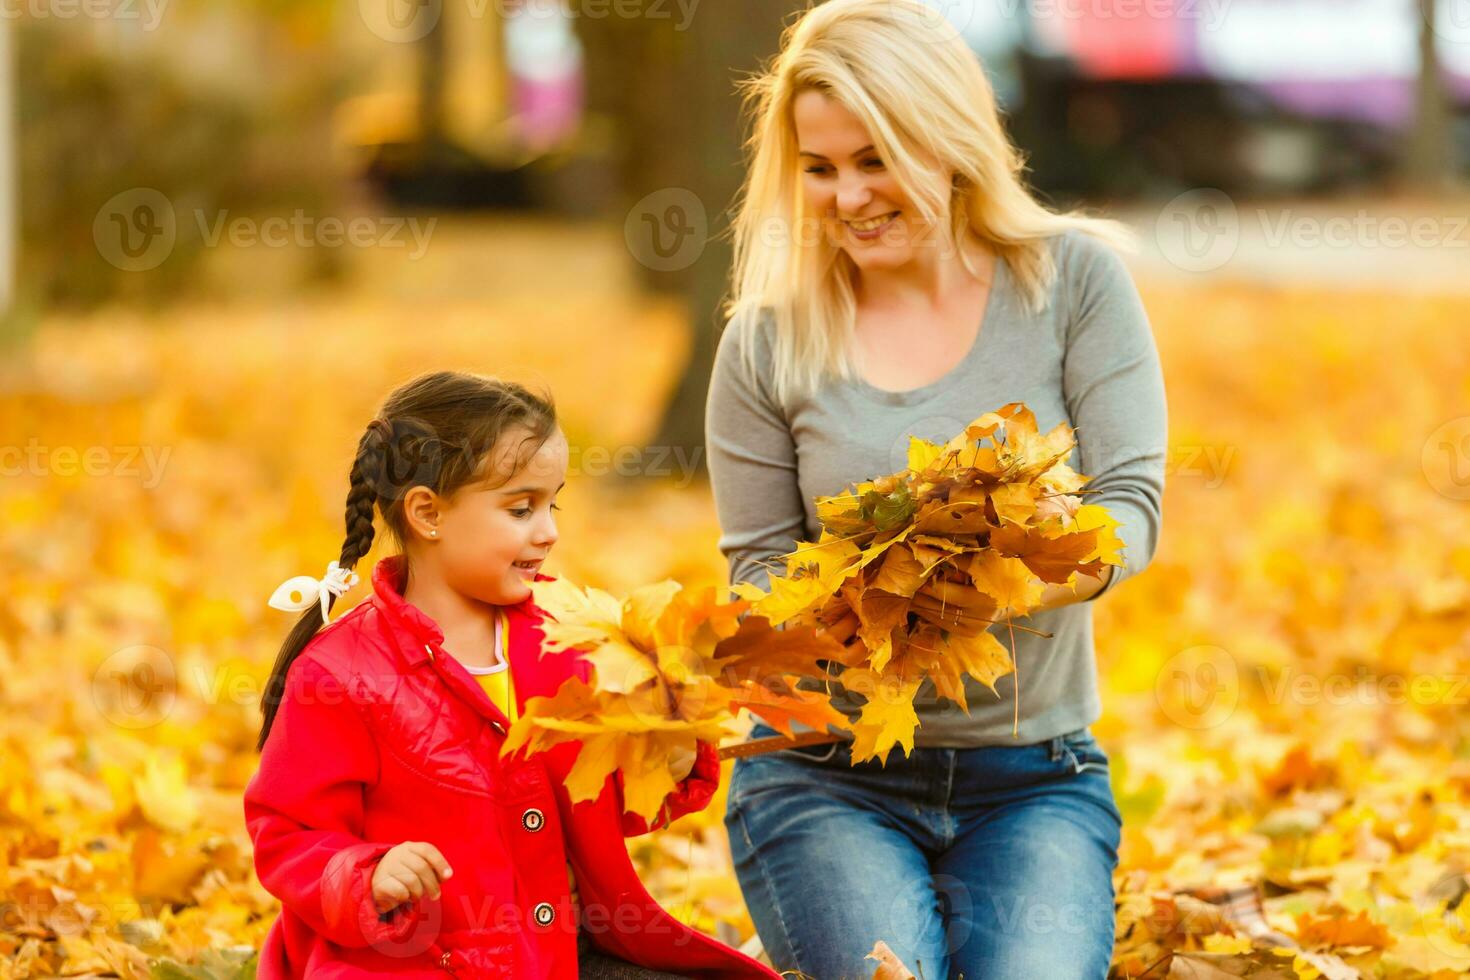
844	631
407	873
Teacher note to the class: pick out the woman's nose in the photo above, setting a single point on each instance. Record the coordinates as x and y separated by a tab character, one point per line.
853	196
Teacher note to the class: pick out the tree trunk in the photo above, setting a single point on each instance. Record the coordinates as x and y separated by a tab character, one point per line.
1427	163
728	42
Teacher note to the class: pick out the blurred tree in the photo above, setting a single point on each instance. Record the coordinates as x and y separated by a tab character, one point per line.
729	42
1428	154
9	220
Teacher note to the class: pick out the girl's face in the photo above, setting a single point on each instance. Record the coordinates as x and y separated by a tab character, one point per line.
863	210
493	538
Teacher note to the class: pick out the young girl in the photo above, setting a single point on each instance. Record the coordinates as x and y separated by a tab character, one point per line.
397	839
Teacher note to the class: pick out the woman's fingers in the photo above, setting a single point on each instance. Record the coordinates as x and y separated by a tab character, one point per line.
844	629
955	594
927	604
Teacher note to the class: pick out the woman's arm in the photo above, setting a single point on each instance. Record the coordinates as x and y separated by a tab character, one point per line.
304	812
752	461
1113	386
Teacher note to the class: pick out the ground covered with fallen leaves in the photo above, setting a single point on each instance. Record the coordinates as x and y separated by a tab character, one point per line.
1286	688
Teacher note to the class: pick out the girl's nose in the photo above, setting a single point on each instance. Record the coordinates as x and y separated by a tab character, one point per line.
546	533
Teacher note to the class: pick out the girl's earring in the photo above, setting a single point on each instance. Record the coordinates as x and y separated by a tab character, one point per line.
434	533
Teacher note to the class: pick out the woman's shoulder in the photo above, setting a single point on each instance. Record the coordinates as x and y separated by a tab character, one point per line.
1079	254
745	360
750	333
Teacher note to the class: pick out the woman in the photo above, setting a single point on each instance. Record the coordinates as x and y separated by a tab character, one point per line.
894	277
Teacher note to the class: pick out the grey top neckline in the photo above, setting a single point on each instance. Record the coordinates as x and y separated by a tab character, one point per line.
992	319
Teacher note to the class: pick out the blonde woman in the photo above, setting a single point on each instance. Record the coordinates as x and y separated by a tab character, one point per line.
894	277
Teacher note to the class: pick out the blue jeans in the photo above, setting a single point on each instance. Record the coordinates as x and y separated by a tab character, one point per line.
993	863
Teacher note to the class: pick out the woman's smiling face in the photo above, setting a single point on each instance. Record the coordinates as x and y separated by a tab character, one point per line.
846	184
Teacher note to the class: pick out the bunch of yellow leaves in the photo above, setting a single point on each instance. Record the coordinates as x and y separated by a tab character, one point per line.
918	565
668	668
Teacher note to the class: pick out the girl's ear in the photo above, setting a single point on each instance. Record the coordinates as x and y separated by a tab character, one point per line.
422	512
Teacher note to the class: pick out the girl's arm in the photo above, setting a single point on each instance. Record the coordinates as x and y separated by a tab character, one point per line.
304	811
690	796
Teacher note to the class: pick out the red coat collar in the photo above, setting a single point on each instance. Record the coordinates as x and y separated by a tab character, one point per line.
412	623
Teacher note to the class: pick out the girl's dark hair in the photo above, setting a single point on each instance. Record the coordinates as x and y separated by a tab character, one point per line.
436	431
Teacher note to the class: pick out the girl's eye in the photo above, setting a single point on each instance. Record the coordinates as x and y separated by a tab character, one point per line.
522	512
873	161
555	507
816	170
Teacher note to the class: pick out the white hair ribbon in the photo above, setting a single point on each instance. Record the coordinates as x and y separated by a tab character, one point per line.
302	592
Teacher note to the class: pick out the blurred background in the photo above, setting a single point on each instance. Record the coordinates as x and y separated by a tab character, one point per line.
229	227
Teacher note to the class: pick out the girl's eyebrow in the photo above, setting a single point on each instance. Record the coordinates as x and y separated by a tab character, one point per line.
518	491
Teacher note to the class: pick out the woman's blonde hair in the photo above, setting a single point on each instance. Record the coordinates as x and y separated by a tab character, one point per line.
919	90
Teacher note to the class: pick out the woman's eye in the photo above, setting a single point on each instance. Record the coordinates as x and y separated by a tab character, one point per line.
874	162
521	511
816	170
555	507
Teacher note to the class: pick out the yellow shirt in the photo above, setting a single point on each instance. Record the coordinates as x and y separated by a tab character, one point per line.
496	680
500	691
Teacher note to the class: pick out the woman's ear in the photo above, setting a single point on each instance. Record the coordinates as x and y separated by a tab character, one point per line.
422	512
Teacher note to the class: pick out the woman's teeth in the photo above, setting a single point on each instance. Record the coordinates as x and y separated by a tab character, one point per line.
873	223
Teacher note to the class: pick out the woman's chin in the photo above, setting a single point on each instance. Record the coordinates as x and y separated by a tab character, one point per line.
879	257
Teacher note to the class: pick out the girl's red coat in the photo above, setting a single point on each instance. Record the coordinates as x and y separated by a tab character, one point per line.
383	737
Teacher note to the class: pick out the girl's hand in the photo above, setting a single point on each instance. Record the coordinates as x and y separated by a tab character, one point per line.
407	873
